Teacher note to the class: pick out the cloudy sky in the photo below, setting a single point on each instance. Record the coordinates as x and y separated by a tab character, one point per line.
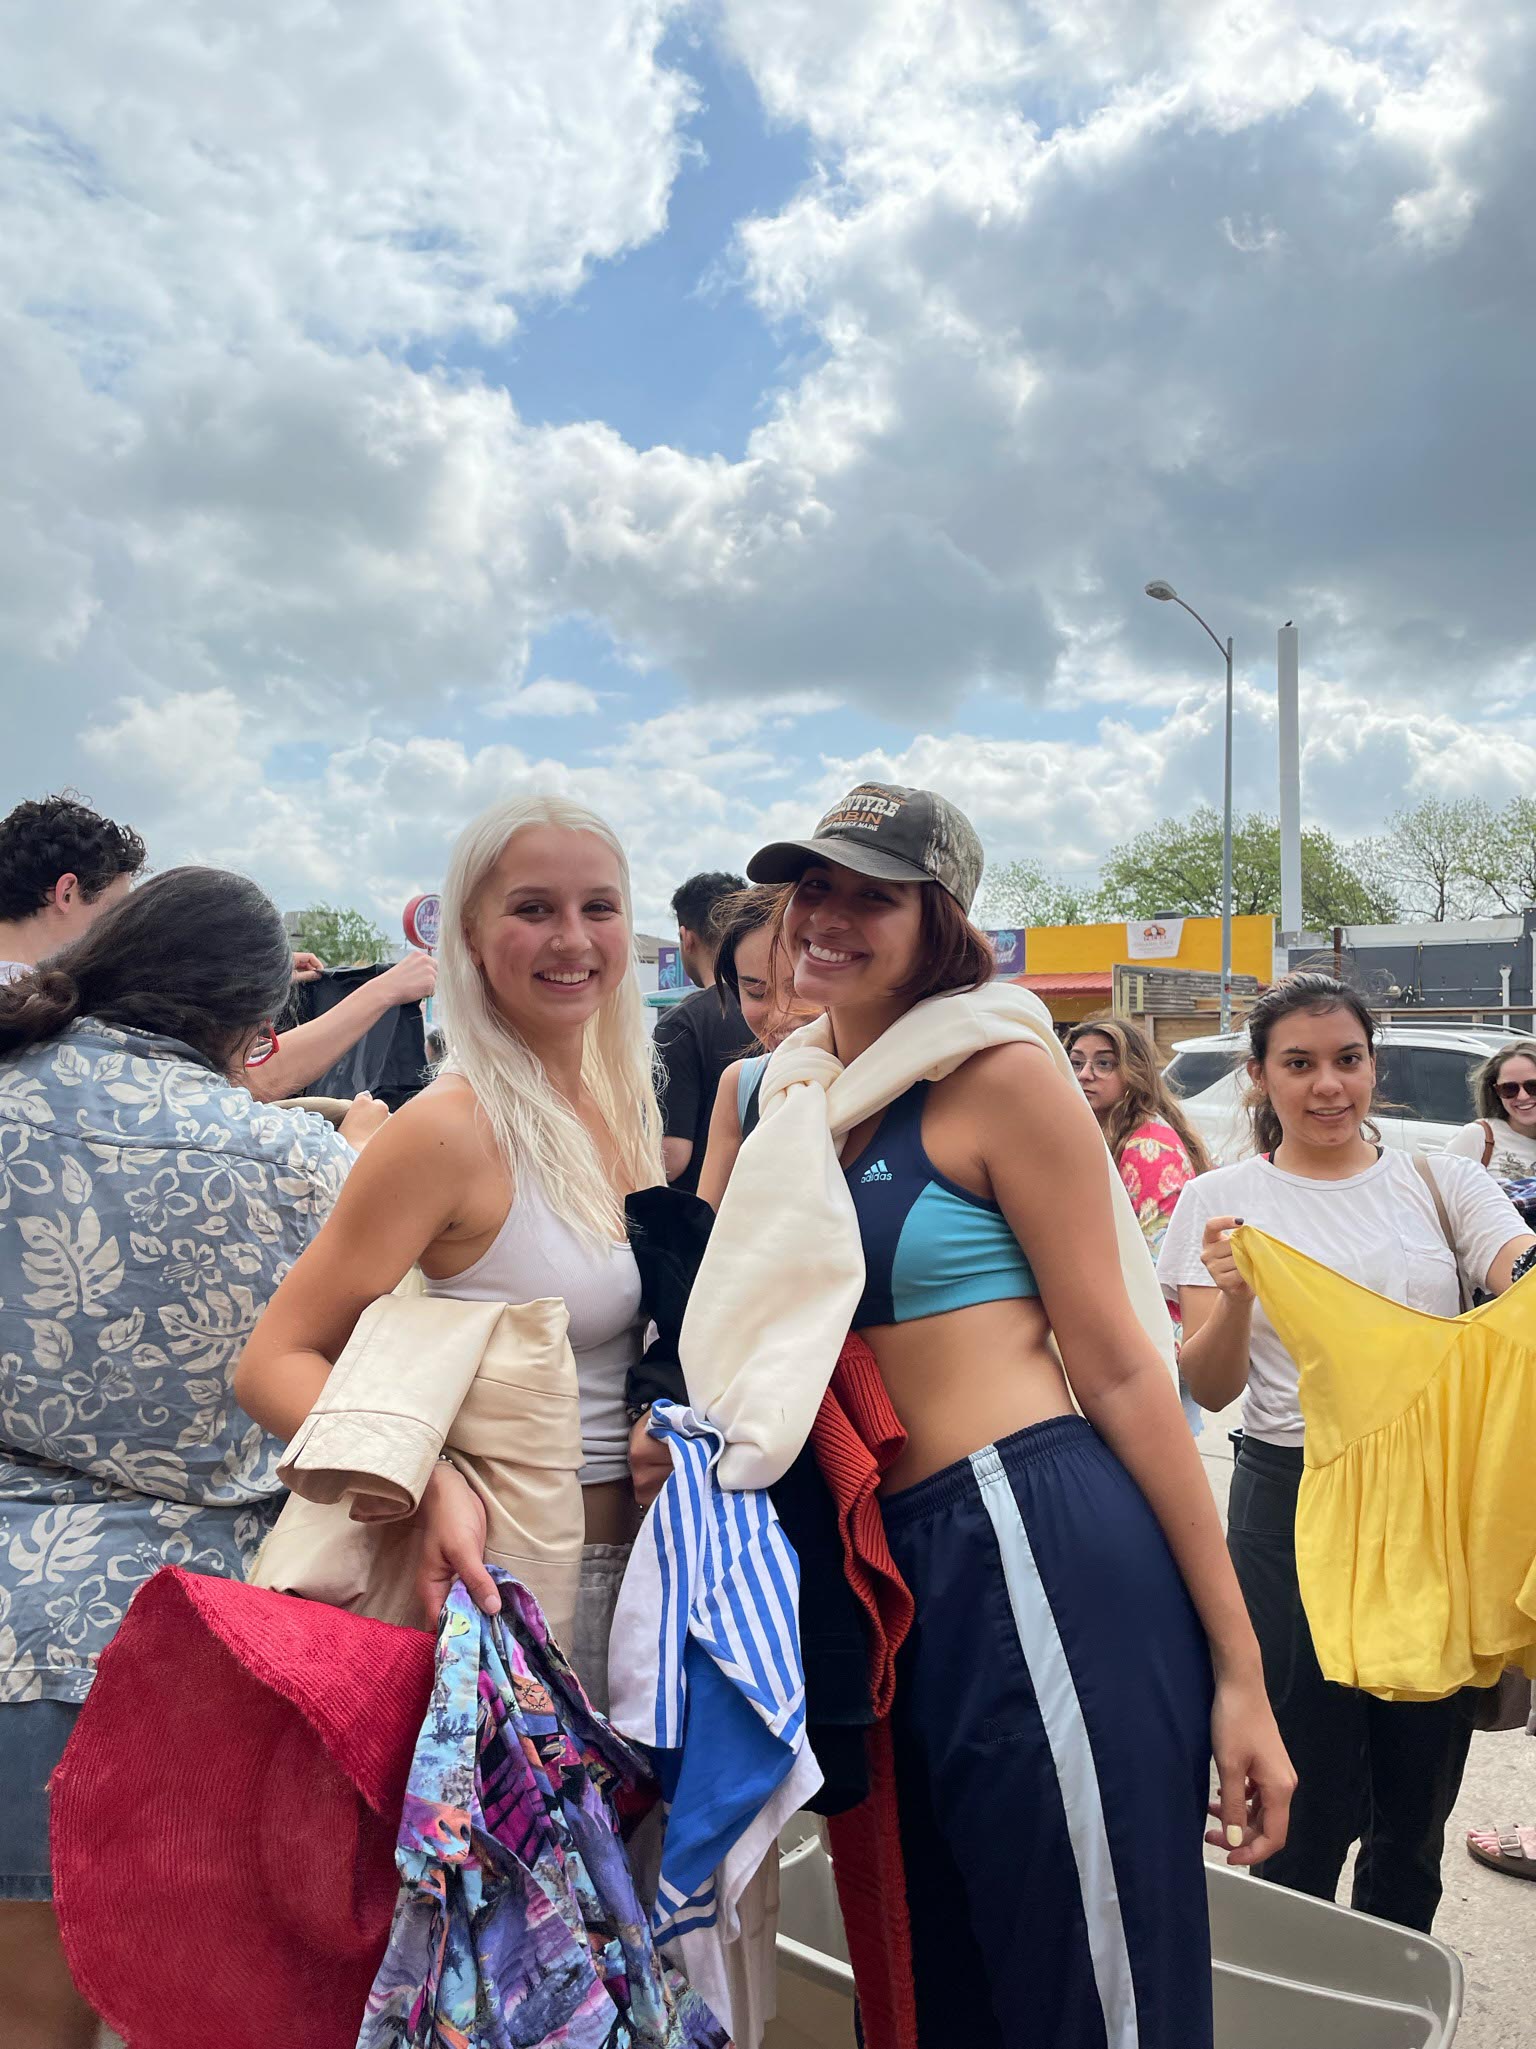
699	407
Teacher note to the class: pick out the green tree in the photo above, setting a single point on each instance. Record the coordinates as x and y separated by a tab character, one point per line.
1024	893
1174	868
1502	860
342	938
1446	856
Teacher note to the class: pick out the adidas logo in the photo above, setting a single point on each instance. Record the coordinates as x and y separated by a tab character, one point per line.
878	1172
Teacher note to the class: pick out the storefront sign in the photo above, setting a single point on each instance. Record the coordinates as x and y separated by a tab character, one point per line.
1154	938
1008	947
669	968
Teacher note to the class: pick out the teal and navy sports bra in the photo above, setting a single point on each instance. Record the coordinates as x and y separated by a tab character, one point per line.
929	1244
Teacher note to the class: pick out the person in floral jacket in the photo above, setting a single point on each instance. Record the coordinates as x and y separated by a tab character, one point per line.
149	1206
1155	1146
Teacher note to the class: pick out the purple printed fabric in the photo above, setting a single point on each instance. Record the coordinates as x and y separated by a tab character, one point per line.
518	1925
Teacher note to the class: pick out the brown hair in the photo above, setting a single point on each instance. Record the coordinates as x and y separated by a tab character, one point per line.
196	955
951	952
1319	994
1485	1097
1146	1096
743	912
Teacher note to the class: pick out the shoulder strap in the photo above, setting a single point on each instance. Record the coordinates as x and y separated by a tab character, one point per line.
1421	1162
1487	1140
749	1089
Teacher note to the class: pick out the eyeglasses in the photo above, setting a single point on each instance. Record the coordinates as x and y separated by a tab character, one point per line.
1094	1063
264	1048
1512	1091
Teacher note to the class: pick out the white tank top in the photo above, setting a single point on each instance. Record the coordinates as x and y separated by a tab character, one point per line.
536	1254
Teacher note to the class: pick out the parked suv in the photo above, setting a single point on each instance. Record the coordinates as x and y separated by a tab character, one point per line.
1423	1080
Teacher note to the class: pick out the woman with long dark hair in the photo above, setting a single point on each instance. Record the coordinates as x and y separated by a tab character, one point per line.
1385	1772
1150	1139
754	966
149	1206
1055	1714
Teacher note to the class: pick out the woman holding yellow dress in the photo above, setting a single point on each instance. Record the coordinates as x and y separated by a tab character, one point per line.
1383	1772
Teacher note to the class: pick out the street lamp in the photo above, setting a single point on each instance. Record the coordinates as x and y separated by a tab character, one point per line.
1166	594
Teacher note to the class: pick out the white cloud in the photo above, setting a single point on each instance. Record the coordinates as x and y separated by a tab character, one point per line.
546	697
1092	292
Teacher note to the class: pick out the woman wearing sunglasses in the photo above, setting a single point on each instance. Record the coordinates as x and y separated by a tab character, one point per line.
149	1206
1503	1133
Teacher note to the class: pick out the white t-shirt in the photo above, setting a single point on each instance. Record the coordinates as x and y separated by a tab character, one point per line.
1514	1155
10	969
1378	1228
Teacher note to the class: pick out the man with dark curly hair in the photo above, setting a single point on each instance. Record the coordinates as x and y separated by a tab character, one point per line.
61	866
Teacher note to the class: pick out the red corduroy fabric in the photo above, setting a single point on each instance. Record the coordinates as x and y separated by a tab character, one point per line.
856	1437
225	1812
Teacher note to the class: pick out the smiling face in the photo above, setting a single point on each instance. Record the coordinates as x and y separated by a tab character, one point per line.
1096	1063
547	929
1319	1076
1521	1111
852	939
765	977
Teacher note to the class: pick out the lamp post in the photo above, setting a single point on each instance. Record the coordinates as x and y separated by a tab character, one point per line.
1166	594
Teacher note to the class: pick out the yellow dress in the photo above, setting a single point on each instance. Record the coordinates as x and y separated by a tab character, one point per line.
1416	1525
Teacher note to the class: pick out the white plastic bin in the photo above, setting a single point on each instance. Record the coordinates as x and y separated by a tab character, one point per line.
1291	1972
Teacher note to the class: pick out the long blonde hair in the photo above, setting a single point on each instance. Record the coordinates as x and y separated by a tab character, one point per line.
1146	1095
538	1133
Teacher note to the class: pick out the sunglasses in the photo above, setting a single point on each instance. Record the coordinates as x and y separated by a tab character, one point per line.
1512	1091
1094	1063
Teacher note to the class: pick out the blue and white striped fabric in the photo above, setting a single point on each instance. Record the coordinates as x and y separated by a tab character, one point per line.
705	1671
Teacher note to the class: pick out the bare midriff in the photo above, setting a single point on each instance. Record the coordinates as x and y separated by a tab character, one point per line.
965	1379
612	1512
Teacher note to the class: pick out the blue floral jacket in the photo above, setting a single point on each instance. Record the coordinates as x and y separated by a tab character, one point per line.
148	1210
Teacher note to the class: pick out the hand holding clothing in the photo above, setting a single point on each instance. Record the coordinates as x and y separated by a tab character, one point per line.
411	979
1217	1258
650	1462
451	1519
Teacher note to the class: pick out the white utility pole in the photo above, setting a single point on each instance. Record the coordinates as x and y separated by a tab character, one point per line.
1291	920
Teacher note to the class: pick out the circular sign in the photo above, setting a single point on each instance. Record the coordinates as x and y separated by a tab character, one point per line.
424	921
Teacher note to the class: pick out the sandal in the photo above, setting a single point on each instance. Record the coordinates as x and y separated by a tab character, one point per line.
1512	1849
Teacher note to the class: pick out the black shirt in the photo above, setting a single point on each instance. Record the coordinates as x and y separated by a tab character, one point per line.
697	1041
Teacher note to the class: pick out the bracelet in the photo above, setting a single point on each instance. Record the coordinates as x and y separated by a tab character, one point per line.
638	1414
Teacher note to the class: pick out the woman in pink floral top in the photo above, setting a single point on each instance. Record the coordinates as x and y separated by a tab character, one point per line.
1155	1147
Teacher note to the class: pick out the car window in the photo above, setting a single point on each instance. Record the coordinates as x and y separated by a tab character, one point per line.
1441	1080
1430	1083
1195	1070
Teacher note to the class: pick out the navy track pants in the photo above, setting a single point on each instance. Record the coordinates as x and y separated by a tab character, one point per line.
1052	1735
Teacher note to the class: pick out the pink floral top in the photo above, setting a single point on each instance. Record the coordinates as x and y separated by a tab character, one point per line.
1154	1166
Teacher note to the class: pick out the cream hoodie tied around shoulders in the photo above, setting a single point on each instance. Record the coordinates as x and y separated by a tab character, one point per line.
784	1269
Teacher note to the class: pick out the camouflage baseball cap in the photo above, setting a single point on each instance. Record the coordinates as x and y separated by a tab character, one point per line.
884	830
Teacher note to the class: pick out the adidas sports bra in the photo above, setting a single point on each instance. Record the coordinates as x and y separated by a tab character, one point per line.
929	1244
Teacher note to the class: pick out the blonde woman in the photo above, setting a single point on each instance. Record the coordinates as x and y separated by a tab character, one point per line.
1503	1133
505	1180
